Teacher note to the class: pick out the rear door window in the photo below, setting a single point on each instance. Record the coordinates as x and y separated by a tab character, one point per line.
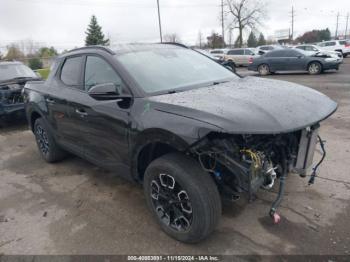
248	52
278	53
71	71
310	48
330	43
236	52
292	53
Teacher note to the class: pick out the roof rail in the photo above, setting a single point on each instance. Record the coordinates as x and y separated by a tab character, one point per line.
103	48
174	43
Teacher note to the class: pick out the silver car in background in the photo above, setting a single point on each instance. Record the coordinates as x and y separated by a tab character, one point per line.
241	56
311	49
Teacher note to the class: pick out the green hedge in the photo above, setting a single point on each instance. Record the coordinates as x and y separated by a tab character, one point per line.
44	72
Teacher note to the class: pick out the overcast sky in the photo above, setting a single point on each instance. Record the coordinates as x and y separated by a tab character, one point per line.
62	23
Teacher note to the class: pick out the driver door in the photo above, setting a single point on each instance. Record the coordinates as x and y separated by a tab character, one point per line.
104	124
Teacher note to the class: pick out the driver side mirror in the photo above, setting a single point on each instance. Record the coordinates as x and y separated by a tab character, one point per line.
105	91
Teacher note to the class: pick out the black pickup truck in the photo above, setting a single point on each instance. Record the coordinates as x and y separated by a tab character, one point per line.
188	129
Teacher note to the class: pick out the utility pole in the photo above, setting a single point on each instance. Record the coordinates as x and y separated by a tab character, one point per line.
347	22
230	37
336	28
293	15
222	23
160	24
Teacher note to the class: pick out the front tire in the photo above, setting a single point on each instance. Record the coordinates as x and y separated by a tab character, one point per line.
314	68
182	197
47	145
264	70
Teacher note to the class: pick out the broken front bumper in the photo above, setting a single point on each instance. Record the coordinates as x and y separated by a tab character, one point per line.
11	102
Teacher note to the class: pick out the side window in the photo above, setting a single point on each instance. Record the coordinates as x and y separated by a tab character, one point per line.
302	47
290	53
330	44
98	71
277	53
342	42
70	72
248	52
311	48
236	52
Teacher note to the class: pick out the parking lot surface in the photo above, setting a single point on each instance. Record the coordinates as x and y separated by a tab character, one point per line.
73	207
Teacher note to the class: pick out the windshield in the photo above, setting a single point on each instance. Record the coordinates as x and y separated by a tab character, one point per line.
11	71
162	69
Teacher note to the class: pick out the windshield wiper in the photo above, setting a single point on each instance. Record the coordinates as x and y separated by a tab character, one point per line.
219	82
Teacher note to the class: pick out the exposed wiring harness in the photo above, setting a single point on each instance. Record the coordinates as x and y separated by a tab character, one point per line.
278	200
314	170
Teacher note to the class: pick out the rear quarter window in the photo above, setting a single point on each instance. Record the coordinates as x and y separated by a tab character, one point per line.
71	71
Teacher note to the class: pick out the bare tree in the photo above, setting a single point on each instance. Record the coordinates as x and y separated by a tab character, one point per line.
173	38
28	46
246	14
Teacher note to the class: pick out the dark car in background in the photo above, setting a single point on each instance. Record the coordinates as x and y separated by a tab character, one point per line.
13	77
294	60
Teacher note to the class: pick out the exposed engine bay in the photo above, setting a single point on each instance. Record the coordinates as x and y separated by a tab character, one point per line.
11	93
11	99
245	163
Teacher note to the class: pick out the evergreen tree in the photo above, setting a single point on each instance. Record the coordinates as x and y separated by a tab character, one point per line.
35	63
261	40
94	35
252	41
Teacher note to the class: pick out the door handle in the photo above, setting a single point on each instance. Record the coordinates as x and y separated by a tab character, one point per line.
50	100
81	112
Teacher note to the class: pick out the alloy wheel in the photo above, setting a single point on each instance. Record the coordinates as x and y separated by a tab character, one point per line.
314	68
264	69
42	139
171	203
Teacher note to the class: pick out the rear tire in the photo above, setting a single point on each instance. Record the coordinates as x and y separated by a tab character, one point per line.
48	148
314	68
264	70
173	178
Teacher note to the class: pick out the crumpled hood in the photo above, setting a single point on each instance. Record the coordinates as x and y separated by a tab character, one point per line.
250	105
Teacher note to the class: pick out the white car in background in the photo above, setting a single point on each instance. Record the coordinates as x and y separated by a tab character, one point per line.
219	53
263	49
342	46
310	49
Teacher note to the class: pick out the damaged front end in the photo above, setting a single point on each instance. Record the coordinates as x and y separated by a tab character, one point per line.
245	163
11	99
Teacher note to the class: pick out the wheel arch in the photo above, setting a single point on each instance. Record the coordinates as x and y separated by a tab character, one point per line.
34	115
314	61
151	144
